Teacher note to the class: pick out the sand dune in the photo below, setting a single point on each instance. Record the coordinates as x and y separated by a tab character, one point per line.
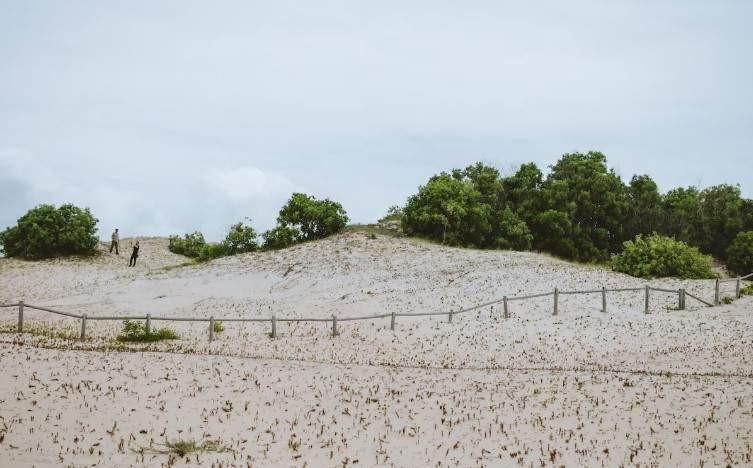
580	388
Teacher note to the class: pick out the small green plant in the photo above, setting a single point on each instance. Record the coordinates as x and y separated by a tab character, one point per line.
747	290
218	327
728	299
189	245
657	256
181	448
135	331
211	252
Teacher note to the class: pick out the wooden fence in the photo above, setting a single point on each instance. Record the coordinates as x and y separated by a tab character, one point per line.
682	296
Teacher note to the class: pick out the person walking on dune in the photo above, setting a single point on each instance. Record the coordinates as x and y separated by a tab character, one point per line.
134	255
115	242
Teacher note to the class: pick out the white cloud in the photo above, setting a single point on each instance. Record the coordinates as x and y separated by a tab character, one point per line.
245	183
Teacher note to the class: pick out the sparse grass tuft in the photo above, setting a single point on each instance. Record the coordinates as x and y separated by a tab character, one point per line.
219	327
728	299
136	332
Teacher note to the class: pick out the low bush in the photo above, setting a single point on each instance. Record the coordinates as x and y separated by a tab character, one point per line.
47	232
212	251
134	331
218	327
740	254
240	239
513	232
189	245
657	256
281	237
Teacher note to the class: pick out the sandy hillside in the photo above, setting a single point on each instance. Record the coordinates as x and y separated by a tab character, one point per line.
583	387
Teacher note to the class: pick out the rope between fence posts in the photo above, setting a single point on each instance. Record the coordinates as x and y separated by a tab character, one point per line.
699	299
670	291
584	291
531	296
9	305
746	276
45	309
626	289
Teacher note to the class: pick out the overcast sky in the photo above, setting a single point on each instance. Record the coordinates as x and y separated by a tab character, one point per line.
165	117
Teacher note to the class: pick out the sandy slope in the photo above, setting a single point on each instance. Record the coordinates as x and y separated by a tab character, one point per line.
580	388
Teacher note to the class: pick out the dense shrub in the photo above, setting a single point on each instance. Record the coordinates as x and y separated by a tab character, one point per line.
212	251
189	245
240	239
658	256
47	232
280	237
513	233
394	213
136	332
740	254
304	218
315	219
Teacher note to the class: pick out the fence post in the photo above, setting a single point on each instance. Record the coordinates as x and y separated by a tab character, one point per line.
21	317
449	317
716	292
274	327
681	299
604	299
392	321
645	310
83	327
504	304
334	325
737	288
148	324
556	293
211	329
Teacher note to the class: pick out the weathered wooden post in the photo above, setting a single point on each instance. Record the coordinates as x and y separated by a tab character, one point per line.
392	321
449	317
148	327
274	327
83	327
556	294
737	288
648	289
506	310
604	299
334	325
211	329
21	317
681	299
716	292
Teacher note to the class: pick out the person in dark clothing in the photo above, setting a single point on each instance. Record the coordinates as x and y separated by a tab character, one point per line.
134	255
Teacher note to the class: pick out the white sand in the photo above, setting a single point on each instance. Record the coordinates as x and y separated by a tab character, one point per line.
673	388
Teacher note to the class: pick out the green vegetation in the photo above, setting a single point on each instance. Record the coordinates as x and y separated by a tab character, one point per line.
740	254
304	218
728	299
181	447
747	290
658	256
240	238
136	332
48	232
218	327
581	210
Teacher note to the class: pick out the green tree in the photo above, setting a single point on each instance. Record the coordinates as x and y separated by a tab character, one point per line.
644	206
47	232
190	244
721	218
449	209
592	198
240	238
315	219
513	233
681	214
740	254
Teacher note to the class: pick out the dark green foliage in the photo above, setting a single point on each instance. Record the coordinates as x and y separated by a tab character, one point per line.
47	232
721	218
240	239
657	256
513	232
394	213
304	218
281	237
451	210
594	202
218	327
134	331
740	254
315	219
212	251
189	245
644	206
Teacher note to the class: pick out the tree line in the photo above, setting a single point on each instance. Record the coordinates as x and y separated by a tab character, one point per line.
581	210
